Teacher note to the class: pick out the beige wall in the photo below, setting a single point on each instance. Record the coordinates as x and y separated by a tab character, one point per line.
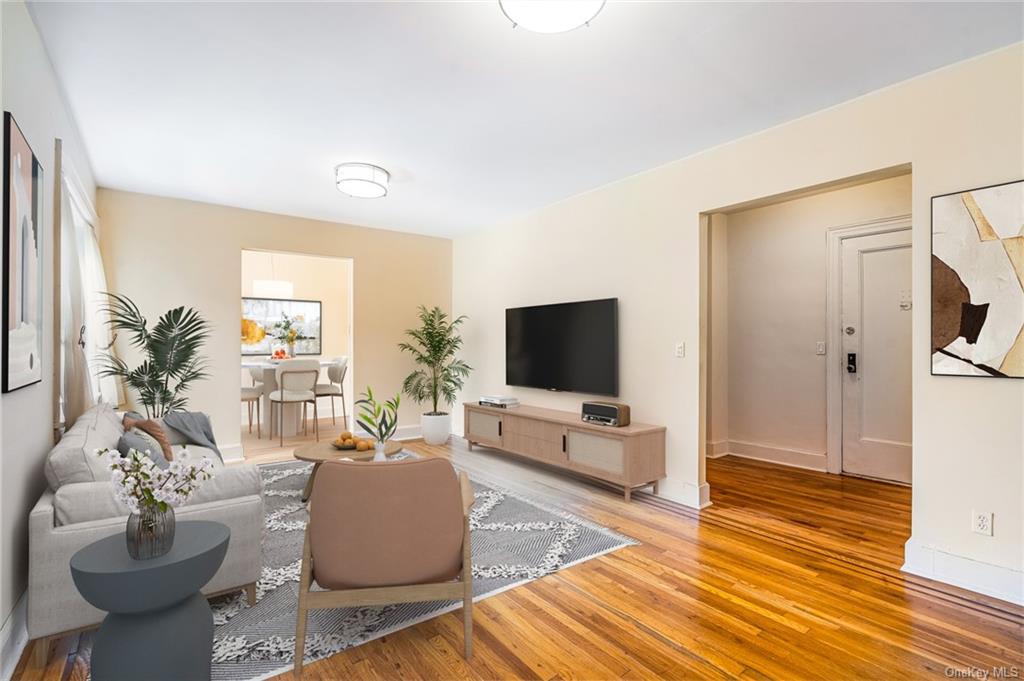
776	273
313	278
166	252
31	93
639	240
718	336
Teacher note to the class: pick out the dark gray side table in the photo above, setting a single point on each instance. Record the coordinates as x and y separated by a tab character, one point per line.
159	626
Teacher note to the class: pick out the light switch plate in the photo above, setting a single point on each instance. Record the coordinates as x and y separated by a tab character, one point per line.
819	348
680	349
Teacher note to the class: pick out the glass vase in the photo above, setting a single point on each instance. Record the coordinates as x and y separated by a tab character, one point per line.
150	532
379	449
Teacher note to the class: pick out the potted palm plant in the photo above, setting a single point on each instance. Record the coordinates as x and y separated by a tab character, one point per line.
434	346
171	362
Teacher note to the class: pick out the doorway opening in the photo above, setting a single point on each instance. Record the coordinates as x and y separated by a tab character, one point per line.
296	306
807	383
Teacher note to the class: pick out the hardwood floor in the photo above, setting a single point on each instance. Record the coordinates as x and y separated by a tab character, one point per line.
863	520
789	575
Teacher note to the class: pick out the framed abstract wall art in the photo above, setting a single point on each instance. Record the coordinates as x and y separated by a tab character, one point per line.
270	323
978	282
22	261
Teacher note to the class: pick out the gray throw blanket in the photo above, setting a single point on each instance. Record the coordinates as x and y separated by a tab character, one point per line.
195	426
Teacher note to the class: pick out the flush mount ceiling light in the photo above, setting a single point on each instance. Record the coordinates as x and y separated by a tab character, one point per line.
361	180
550	16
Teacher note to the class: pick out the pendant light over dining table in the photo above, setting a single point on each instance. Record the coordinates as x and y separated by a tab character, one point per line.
361	180
551	16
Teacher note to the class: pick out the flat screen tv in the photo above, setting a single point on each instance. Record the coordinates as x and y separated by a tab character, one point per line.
566	346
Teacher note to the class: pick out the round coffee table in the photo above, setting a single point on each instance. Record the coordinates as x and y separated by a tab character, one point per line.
319	452
159	626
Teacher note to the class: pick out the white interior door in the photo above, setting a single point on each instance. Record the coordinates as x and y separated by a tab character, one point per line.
876	354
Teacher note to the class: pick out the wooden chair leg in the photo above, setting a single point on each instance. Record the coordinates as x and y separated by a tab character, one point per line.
334	422
259	421
280	423
344	409
300	639
250	593
467	589
249	405
467	620
316	421
305	579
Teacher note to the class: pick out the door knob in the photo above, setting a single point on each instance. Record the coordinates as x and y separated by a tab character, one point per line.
850	330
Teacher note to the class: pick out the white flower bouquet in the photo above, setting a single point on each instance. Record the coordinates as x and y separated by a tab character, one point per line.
140	484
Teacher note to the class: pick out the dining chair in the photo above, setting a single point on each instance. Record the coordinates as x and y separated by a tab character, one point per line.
252	397
386	533
296	380
336	371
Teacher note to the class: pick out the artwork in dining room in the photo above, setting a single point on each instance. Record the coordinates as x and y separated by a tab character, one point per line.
23	264
978	282
270	324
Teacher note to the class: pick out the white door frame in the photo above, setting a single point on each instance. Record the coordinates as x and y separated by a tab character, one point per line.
833	338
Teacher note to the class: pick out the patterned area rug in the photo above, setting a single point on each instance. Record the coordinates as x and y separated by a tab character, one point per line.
515	541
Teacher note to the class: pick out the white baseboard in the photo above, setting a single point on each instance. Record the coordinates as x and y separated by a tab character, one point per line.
985	578
232	452
13	638
798	458
696	496
687	493
408	433
717	449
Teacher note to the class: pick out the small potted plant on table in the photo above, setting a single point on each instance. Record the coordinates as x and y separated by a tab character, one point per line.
435	346
379	420
288	332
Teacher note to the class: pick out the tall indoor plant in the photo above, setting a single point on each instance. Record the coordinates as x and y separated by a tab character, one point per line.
434	346
171	362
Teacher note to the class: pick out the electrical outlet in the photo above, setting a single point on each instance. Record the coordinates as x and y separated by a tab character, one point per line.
819	348
981	522
680	349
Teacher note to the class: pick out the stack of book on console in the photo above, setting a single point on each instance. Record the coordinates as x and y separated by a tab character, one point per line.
499	401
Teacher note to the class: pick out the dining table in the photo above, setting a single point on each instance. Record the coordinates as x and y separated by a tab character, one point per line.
292	411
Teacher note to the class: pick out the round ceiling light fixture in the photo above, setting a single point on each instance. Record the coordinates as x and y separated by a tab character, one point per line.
551	16
361	180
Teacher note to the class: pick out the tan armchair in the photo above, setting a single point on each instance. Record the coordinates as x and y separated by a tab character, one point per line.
383	533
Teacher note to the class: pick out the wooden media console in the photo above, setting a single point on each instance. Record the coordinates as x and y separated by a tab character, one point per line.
632	456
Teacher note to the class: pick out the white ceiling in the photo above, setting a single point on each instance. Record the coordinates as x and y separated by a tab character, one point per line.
252	104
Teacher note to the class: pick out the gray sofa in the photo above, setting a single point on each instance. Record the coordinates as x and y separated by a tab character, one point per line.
80	507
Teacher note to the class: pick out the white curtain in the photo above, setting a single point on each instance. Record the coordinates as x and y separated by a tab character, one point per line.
86	335
76	393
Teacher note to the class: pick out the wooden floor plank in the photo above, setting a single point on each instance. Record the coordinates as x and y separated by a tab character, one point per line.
790	574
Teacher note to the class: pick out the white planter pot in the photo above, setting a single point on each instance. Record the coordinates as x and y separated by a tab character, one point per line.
436	429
